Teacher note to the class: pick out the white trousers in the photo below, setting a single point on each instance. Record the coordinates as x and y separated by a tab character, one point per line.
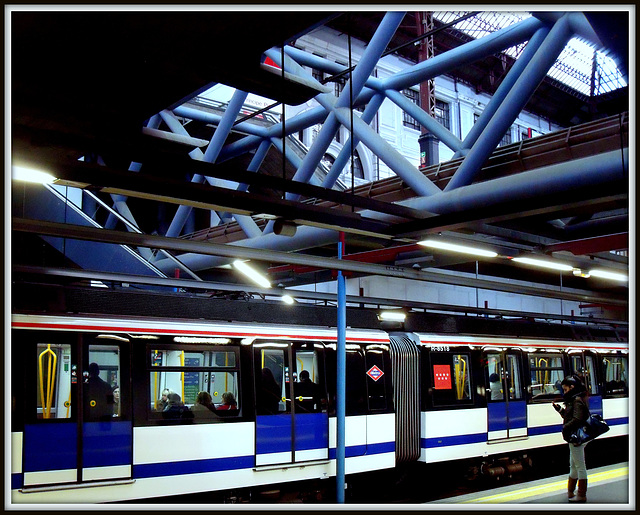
577	464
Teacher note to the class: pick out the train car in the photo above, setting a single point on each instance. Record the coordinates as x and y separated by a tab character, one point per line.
90	423
488	399
68	435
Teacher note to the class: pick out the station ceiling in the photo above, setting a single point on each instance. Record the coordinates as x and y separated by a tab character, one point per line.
84	83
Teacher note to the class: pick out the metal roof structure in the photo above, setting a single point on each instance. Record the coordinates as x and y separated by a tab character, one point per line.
172	189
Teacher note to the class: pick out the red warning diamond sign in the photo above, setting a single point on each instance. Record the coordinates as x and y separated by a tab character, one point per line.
375	373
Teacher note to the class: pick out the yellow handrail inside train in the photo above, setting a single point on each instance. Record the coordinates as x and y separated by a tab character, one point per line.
461	377
182	365
51	373
68	406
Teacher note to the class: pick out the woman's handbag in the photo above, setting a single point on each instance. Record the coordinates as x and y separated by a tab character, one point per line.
593	427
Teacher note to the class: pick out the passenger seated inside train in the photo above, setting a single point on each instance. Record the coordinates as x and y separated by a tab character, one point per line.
228	402
176	408
204	406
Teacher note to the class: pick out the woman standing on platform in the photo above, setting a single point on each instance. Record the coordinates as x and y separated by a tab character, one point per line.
574	414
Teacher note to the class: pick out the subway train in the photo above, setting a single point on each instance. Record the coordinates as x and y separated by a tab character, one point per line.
119	408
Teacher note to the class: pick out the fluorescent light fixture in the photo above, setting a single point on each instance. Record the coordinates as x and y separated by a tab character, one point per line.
544	264
30	175
198	339
252	274
392	316
457	248
287	299
608	275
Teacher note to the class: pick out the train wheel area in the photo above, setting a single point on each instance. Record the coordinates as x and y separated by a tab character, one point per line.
606	485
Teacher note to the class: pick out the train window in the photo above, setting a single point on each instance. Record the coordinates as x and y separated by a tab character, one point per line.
101	388
356	386
547	373
587	371
376	383
272	382
308	386
451	375
54	381
188	383
514	386
494	372
616	375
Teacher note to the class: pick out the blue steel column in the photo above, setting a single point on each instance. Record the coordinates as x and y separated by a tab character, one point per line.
513	104
464	54
345	152
503	90
341	390
362	71
417	181
182	213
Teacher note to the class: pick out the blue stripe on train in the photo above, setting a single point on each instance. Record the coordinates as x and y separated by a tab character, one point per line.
240	462
445	441
175	468
363	450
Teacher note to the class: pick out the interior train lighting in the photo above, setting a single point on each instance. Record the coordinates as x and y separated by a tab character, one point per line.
198	339
544	263
20	173
392	316
252	274
604	274
463	249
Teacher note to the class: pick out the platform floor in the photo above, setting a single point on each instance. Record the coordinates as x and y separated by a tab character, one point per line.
606	486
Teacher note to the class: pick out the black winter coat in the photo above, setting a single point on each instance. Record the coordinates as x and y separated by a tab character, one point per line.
575	413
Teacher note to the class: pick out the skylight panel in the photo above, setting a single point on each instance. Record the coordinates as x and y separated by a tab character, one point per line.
573	68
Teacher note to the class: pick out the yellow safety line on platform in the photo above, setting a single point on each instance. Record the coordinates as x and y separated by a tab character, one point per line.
545	489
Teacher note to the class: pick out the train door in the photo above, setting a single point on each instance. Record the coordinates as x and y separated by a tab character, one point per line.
583	363
506	404
79	425
292	423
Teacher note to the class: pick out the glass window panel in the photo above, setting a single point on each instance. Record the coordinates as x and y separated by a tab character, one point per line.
187	358
442	114
271	384
408	120
514	385
616	375
461	374
308	388
356	386
547	373
54	381
494	374
376	390
451	378
103	376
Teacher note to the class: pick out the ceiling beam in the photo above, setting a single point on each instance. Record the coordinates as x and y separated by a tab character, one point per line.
237	252
204	196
